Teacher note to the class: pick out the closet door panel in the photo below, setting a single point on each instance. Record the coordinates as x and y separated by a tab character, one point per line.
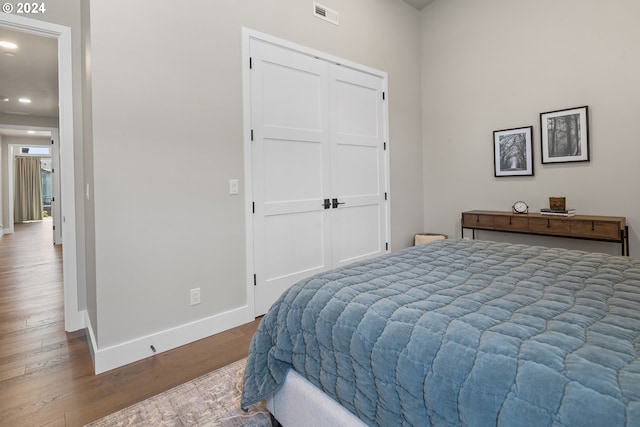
290	169
357	158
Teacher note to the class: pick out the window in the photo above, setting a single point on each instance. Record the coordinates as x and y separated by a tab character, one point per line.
47	191
36	151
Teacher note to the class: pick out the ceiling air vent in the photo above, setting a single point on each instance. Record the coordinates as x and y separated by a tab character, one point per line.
323	12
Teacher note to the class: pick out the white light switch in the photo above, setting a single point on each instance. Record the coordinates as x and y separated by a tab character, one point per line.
195	296
233	186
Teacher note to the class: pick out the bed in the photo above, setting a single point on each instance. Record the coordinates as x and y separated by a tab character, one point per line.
457	332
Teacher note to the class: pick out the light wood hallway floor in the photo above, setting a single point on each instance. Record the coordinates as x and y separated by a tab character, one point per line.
46	375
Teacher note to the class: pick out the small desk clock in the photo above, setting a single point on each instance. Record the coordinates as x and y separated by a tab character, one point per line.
520	207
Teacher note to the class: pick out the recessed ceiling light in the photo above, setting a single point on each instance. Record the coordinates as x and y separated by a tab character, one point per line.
8	45
25	100
31	132
4	99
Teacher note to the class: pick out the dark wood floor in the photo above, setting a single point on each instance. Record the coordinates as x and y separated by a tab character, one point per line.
46	375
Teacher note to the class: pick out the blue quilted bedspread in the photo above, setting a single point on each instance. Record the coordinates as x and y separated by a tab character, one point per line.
461	332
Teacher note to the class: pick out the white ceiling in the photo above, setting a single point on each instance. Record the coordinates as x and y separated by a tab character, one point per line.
418	4
30	71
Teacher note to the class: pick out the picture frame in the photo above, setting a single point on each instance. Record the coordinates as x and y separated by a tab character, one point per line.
564	135
513	152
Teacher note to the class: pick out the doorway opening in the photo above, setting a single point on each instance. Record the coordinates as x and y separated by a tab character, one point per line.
22	203
42	144
74	319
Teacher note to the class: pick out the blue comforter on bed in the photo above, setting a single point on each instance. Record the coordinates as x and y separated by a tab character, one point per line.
461	332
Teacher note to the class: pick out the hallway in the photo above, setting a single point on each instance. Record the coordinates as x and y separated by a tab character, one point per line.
36	354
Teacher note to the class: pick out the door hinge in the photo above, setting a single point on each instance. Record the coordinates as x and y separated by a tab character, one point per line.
54	227
53	170
384	146
383	96
253	207
252	134
52	142
255	280
250	63
386	245
385	195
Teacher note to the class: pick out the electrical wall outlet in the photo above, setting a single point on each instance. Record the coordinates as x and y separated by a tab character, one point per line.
195	296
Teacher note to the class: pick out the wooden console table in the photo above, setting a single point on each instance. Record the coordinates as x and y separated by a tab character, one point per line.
589	227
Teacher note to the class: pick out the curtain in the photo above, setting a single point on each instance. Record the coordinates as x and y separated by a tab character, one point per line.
28	191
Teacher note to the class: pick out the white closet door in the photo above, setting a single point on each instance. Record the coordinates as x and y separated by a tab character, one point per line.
318	134
290	170
358	165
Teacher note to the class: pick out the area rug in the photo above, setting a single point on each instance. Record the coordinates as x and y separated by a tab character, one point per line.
210	400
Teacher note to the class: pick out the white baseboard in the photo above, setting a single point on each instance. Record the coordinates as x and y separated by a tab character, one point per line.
91	338
105	359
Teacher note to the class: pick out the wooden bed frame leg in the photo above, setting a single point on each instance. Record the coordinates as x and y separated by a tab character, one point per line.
274	422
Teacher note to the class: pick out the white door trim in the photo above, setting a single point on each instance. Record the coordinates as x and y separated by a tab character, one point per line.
247	36
73	318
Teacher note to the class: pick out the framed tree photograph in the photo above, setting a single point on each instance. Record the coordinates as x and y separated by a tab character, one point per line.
512	152
564	135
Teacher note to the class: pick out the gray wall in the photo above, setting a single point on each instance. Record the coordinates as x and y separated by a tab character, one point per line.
87	149
166	100
498	64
